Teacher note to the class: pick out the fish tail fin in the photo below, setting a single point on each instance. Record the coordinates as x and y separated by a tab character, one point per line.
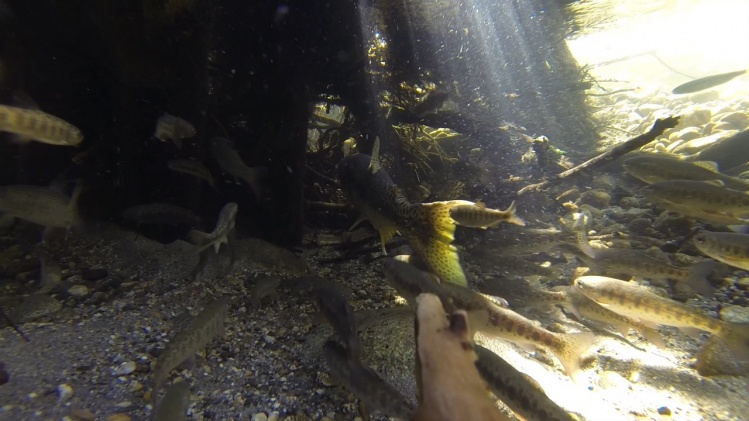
200	239
697	279
575	344
431	236
737	339
511	216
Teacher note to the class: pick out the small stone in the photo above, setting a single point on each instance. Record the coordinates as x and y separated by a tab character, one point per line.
124	368
119	417
743	283
596	198
82	415
64	392
735	314
664	410
274	416
628	202
78	290
260	417
124	404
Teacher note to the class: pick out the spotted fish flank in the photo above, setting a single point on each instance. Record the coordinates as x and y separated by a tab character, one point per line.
29	124
479	216
637	302
204	327
516	389
728	247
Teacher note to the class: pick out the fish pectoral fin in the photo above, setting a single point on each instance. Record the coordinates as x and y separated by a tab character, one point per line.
653	336
692	332
386	234
623	329
575	345
527	347
357	222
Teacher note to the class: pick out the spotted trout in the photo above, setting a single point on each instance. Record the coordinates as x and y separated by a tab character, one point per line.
491	318
653	168
204	327
516	389
728	247
427	227
28	124
639	303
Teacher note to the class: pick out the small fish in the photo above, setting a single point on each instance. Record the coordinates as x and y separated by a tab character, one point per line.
339	314
477	215
229	160
169	127
37	125
582	306
727	247
706	82
639	303
192	167
222	234
204	327
175	403
490	317
522	243
654	168
365	383
161	214
700	199
638	263
40	205
517	390
427	227
451	387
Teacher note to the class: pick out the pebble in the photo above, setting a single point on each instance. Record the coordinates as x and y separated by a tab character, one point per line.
743	283
596	198
274	416
119	417
64	392
735	314
664	410
260	417
78	290
82	415
124	368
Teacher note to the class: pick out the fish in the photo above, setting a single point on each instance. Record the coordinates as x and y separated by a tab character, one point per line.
192	167
639	303
522	292
523	395
161	214
727	247
582	306
169	127
704	200
410	281
427	227
50	274
222	234
208	324
706	82
229	160
479	216
28	124
41	205
339	314
365	383
489	316
654	168
634	262
175	403
266	286
450	385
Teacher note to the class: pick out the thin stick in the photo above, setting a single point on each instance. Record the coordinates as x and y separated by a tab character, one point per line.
658	128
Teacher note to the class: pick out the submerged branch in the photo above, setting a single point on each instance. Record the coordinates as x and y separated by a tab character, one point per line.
615	152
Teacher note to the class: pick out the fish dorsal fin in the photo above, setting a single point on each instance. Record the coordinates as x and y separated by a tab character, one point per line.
374	162
480	204
708	165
